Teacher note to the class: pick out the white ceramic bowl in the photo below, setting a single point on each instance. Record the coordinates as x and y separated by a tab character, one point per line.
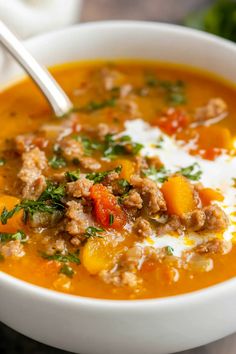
90	326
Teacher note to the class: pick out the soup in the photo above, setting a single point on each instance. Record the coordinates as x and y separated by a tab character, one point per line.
131	195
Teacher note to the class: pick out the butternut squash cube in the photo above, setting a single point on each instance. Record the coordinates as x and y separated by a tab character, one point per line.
178	194
214	136
127	168
207	195
96	256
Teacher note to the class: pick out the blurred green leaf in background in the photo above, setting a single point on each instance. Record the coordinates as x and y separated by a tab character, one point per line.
219	19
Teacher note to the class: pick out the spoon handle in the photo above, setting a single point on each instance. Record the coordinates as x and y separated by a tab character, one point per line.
56	97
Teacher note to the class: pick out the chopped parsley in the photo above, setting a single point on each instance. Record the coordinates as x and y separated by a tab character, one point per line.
95	106
157	174
72	176
64	259
29	207
89	145
2	161
53	192
111	219
111	147
191	172
124	185
161	174
69	258
98	177
169	250
48	202
121	146
93	231
67	270
19	235
174	90
5	215
57	162
151	81
159	143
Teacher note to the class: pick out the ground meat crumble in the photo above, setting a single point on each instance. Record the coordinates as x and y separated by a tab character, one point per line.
34	182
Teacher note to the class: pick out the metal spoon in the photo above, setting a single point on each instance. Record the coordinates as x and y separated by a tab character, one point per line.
56	97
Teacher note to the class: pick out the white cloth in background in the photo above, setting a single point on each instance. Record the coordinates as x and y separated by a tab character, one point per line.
30	17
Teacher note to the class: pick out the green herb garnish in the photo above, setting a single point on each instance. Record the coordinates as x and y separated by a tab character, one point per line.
48	202
72	176
169	250
69	258
53	192
89	145
125	185
57	162
161	174
151	81
19	235
67	270
111	219
7	214
159	143
94	106
2	161
157	174
98	177
191	172
174	90
29	207
121	146
93	231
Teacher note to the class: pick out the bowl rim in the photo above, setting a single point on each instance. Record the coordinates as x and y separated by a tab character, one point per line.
134	23
160	303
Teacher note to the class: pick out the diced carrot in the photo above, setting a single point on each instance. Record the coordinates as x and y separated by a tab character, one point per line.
127	168
97	255
15	223
207	195
107	210
178	194
172	121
